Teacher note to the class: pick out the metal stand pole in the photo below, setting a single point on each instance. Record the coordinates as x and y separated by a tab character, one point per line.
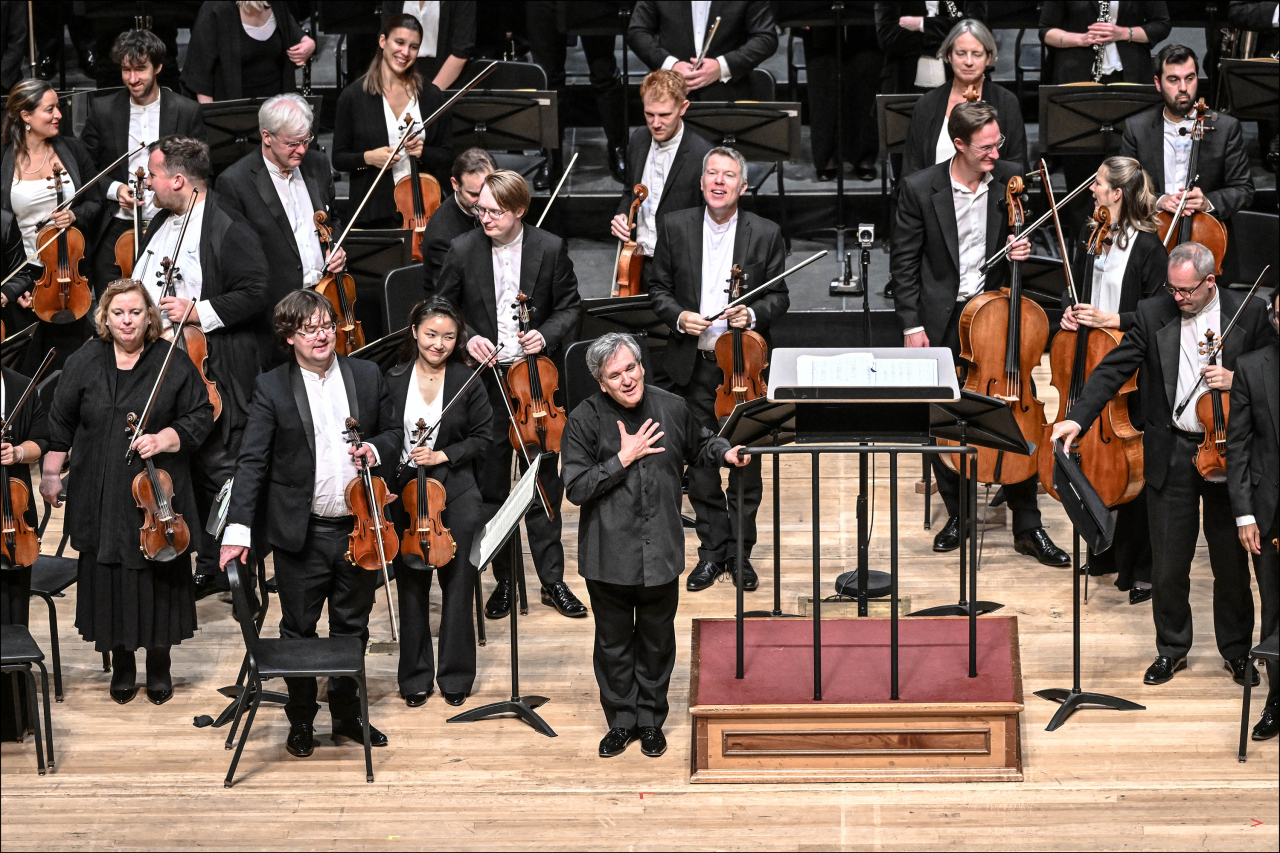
817	579
893	576
741	604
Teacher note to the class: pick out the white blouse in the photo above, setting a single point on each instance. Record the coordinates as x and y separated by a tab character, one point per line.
395	127
414	408
1108	274
33	201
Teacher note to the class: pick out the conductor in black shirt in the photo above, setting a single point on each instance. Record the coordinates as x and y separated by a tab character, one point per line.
624	451
456	215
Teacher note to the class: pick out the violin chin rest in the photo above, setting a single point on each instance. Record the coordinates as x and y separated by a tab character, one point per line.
166	554
413	561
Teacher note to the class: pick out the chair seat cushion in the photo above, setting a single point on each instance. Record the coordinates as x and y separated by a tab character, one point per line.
309	656
1268	649
18	646
51	575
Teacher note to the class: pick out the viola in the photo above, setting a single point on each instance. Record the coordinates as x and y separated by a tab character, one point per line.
417	196
1002	335
340	290
19	542
61	294
372	542
630	264
1110	453
531	384
1212	410
742	355
127	243
1199	227
427	543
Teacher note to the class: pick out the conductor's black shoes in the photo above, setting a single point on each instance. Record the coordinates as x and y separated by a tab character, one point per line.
301	741
355	731
1036	543
750	581
652	742
559	596
1266	727
1239	667
615	742
499	604
948	538
1162	670
703	575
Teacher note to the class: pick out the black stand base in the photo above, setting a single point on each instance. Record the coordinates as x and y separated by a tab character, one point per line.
1071	700
879	584
521	706
961	609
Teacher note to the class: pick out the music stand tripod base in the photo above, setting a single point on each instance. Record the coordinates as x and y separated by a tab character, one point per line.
961	609
1071	700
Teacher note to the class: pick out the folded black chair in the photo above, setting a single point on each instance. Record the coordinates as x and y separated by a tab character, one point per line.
18	651
302	657
1267	650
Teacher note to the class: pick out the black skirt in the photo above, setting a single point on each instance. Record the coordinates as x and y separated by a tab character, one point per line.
15	608
144	608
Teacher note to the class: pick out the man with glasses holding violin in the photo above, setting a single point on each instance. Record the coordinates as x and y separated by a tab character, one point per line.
1166	347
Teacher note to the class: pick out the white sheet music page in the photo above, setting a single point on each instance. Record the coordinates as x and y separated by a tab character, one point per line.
906	372
852	369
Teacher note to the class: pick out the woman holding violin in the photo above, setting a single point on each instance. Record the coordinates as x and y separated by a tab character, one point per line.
126	601
34	152
434	372
372	118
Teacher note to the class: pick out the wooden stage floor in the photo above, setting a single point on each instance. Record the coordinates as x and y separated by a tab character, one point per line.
142	777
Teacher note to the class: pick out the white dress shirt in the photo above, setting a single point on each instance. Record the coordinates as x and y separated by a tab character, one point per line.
1177	154
1190	361
395	127
1108	274
415	408
1111	54
929	69
506	285
33	202
971	225
701	25
188	282
717	265
656	169
144	129
428	14
292	190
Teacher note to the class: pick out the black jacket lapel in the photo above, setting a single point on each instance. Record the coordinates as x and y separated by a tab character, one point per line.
1169	345
531	254
944	207
694	236
168	116
353	399
1155	142
304	406
1271	377
267	191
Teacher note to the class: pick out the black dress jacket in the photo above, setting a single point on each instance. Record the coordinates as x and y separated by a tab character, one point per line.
546	277
278	451
925	259
12	256
213	65
31	424
1223	164
78	162
1253	437
676	283
1144	275
106	135
683	187
465	432
745	38
1075	64
234	281
931	114
89	413
902	48
447	223
455	37
1256	17
362	126
1152	344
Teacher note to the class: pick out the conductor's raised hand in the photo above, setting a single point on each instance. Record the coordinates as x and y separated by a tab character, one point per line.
737	456
641	444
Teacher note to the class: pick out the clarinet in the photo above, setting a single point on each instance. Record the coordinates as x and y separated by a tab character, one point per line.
1100	50
952	11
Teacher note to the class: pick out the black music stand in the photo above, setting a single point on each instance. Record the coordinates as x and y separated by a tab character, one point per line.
501	532
15	346
371	254
384	351
506	120
622	314
1253	88
232	128
1089	118
1044	280
893	120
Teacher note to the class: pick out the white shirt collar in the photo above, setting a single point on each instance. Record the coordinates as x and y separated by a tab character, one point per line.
276	171
138	109
514	244
1210	306
672	143
311	376
956	186
715	227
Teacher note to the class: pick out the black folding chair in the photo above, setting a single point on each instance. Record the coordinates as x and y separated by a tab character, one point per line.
289	657
18	651
1267	650
401	290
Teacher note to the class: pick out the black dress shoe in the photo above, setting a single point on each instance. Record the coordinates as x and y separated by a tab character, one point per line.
703	575
1266	727
499	604
615	742
123	695
1138	594
417	700
159	697
1037	543
454	699
750	580
207	585
272	585
826	174
948	538
352	729
618	165
559	596
542	180
866	171
1162	670
652	742
301	741
1238	667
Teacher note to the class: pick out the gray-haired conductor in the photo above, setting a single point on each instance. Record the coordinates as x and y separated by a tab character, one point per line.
622	456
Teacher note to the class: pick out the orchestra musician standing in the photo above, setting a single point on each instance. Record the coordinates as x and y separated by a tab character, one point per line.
434	369
483	274
949	221
244	50
456	215
910	33
1166	343
696	251
125	601
294	465
448	36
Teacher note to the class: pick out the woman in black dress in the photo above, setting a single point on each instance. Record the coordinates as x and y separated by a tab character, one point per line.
125	601
434	371
371	120
244	50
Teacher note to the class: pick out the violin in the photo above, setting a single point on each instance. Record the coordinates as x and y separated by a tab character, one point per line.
372	542
128	242
1212	410
427	543
61	294
630	264
1200	227
19	543
1002	335
417	196
1110	454
531	383
340	290
742	355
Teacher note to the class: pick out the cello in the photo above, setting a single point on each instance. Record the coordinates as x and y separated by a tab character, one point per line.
340	290
61	294
742	355
19	542
417	197
630	261
1212	411
427	543
1110	455
1199	227
127	243
372	541
531	383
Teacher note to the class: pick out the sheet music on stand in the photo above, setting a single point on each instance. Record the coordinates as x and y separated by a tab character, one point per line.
495	532
849	374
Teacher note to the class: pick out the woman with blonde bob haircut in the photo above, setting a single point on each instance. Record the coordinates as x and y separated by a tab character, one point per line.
125	600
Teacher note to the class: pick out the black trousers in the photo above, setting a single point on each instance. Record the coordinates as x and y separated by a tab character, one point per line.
457	669
716	515
1130	553
495	484
862	62
635	650
309	578
211	466
104	269
1266	566
1174	511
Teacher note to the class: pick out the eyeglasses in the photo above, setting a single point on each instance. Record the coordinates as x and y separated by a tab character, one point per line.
310	334
1186	294
294	146
985	150
486	213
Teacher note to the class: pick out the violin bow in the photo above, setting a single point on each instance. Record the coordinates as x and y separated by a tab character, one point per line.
567	170
996	258
1057	227
173	265
750	294
1177	214
524	451
126	155
35	378
19	267
707	44
1217	347
141	422
427	433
